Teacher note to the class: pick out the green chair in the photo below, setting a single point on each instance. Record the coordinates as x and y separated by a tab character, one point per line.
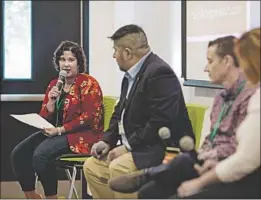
196	114
108	104
76	161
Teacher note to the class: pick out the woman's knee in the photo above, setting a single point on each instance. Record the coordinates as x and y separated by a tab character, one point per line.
17	154
24	150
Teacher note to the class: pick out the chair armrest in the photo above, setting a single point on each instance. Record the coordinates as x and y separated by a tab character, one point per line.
173	150
74	155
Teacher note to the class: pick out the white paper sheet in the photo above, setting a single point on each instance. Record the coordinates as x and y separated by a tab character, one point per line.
33	119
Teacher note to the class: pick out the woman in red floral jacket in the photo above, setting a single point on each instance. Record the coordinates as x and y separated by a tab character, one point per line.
77	115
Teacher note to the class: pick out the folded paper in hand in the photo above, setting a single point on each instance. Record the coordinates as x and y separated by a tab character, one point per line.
33	119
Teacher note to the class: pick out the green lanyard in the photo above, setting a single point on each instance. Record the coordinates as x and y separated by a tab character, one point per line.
59	103
224	111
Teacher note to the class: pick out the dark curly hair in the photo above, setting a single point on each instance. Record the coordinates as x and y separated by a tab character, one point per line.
76	50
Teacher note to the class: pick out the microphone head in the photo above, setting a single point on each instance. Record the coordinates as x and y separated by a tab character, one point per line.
164	133
62	74
186	143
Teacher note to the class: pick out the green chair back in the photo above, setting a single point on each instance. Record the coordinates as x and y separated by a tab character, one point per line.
108	105
196	114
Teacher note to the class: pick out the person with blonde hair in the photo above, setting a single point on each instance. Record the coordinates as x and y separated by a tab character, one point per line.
238	176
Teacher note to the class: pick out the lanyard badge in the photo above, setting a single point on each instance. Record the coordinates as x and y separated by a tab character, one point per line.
121	128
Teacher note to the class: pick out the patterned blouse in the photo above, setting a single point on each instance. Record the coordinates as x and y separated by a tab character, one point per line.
82	115
224	143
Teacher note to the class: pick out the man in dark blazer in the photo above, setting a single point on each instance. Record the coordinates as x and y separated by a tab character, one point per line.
151	98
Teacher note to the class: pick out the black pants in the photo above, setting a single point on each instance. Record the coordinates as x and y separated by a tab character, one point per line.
36	154
166	178
246	188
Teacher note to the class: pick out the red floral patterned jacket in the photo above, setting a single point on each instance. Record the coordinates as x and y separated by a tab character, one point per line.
82	113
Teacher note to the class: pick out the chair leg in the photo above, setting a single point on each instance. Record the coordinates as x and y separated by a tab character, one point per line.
72	182
36	182
36	179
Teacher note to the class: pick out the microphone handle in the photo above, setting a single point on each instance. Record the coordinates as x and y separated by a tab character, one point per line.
59	84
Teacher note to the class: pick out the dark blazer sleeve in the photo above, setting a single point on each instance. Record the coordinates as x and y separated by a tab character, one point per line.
111	135
163	97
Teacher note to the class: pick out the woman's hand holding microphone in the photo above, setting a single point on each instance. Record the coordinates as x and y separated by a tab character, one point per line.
53	95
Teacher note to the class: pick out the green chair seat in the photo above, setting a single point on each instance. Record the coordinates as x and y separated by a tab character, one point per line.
80	159
69	160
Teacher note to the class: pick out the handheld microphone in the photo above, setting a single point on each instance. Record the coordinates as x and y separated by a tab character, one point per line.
164	134
60	82
187	144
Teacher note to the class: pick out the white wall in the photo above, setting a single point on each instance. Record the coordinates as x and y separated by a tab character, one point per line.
161	21
155	18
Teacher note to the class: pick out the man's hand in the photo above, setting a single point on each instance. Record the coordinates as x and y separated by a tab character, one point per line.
190	187
116	152
100	149
208	164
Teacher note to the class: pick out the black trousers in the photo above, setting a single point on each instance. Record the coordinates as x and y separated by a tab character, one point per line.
166	178
36	154
246	188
